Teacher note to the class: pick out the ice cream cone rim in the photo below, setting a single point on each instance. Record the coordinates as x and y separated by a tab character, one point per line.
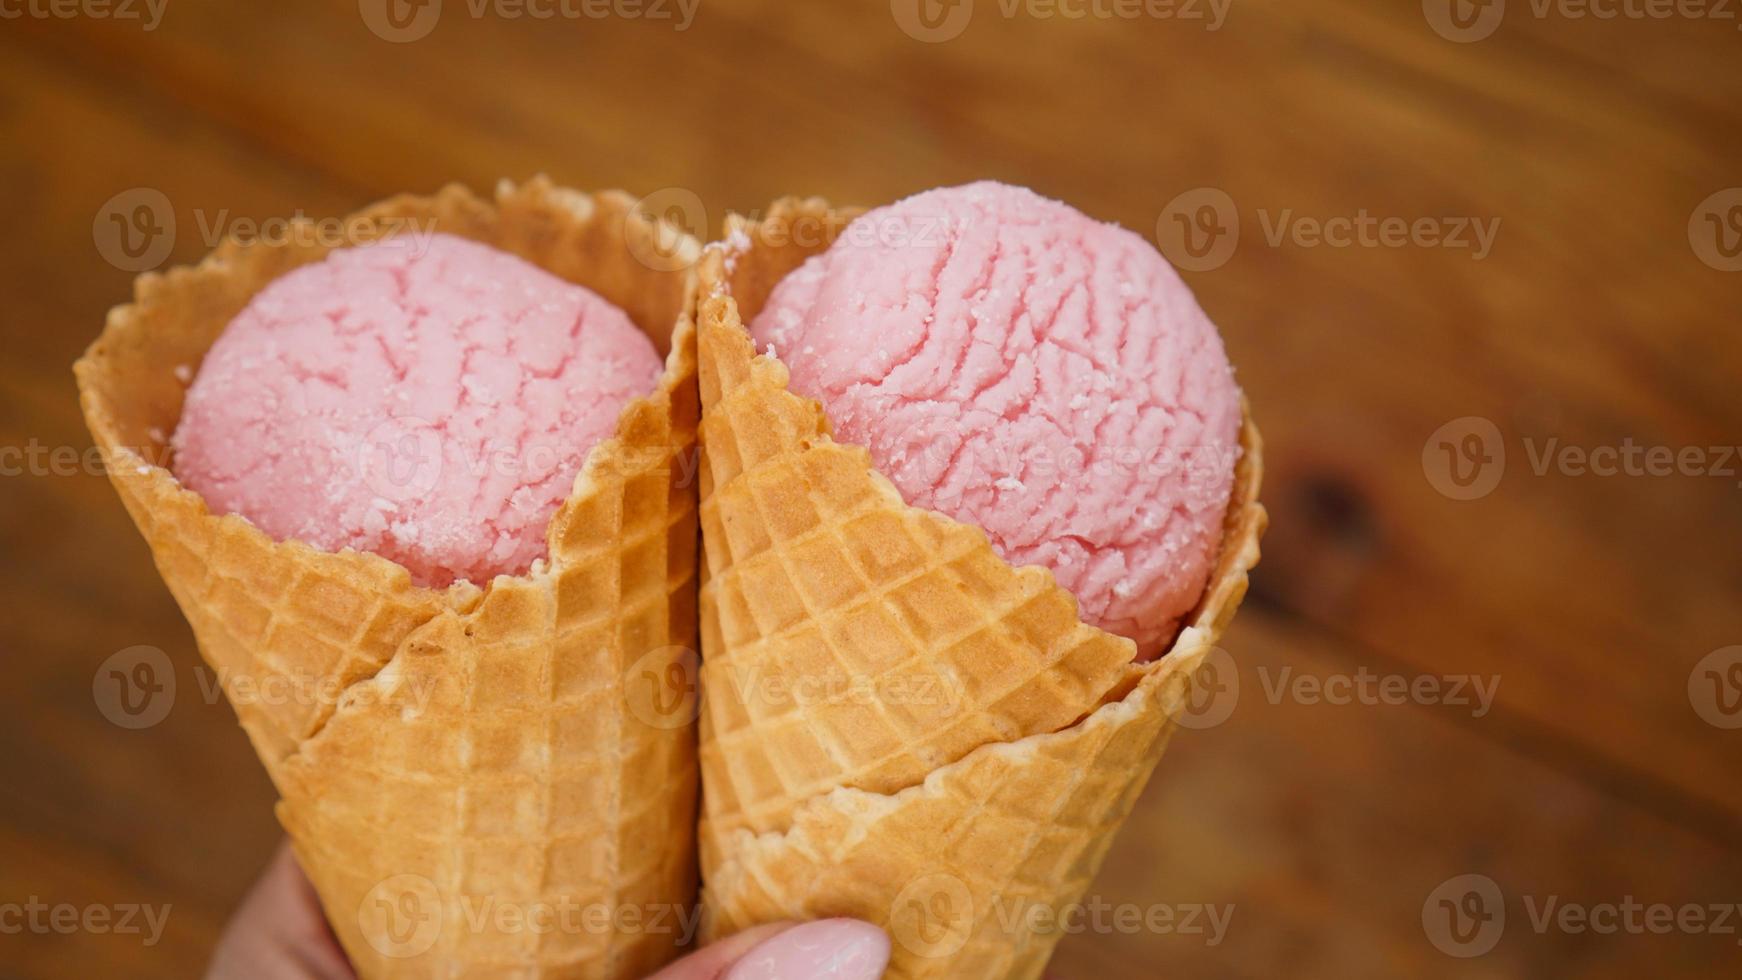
462	594
231	257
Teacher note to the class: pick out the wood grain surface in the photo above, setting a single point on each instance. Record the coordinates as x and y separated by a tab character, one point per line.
1600	314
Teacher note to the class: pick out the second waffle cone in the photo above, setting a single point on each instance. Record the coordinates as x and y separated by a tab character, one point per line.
897	725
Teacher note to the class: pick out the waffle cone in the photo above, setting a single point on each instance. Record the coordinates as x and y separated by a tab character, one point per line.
479	781
897	725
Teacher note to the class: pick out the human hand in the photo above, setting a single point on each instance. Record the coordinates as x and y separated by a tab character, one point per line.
279	933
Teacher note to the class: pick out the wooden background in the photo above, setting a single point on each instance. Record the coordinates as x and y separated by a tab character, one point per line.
1593	321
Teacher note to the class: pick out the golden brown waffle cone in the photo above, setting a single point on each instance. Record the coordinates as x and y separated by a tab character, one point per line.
893	718
503	784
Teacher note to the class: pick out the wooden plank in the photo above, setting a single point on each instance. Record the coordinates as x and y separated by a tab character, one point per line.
95	814
1592	321
1327	827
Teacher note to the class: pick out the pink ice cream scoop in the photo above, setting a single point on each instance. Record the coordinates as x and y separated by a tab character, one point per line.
426	398
1013	364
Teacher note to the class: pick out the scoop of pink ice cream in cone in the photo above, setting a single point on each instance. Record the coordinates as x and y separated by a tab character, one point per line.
1013	364
426	398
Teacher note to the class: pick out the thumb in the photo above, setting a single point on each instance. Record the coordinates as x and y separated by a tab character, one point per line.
832	949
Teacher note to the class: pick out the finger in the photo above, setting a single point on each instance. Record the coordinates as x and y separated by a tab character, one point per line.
833	949
305	923
278	933
712	962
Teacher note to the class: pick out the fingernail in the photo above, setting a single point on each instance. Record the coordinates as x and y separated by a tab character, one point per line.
833	949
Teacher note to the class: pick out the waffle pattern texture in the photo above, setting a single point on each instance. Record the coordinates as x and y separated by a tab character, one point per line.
456	767
896	724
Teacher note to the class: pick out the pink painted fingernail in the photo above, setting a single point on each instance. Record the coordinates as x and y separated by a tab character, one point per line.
833	949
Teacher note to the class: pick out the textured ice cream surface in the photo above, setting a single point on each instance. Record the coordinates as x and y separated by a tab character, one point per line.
1011	363
428	399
